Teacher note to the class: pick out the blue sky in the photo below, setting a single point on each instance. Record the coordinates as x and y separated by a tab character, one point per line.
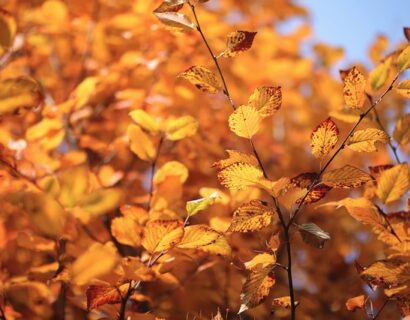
353	24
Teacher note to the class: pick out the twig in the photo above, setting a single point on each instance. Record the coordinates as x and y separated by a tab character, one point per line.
277	207
362	116
152	173
381	309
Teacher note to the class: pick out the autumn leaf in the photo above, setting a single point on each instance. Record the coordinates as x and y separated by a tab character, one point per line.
171	168
245	121
204	79
219	247
161	235
98	295
194	206
401	131
8	29
237	42
236	157
170	6
175	20
313	234
366	140
385	273
261	259
180	128
252	216
283	302
240	176
354	89
101	201
324	138
364	211
403	88
267	100
127	230
346	177
356	303
198	236
403	61
140	143
393	183
19	94
379	75
145	121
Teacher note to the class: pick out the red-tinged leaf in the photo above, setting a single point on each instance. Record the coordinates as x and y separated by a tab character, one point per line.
406	31
98	295
324	138
354	303
238	42
376	171
354	89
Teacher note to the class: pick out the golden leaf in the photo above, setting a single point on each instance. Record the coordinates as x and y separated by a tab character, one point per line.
8	29
131	268
180	128
219	247
245	121
356	303
283	302
401	131
175	20
145	121
202	78
354	89
237	42
73	185
161	235
324	138
378	76
403	88
346	177
364	211
256	287
101	201
140	143
97	261
240	176
366	140
98	295
267	100
18	94
252	216
386	273
235	157
264	259
198	236
126	230
403	61
171	168
393	183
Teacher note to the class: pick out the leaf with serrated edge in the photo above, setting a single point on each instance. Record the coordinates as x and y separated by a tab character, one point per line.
204	79
346	177
393	183
324	138
245	121
240	176
354	89
238	42
236	157
366	140
198	236
98	295
401	131
161	235
267	100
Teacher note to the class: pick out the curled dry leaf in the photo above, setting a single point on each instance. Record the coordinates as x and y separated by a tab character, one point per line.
313	234
324	138
237	42
366	140
346	177
354	89
202	78
175	20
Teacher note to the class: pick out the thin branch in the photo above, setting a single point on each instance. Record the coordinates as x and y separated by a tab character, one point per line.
152	173
278	210
362	116
381	309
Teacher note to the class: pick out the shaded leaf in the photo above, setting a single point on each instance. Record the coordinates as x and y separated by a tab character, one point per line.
126	230
98	295
403	88
237	42
403	61
378	76
324	138
283	302
356	303
170	6
8	29
313	235
175	20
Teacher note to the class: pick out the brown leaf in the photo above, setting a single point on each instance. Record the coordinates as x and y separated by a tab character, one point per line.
98	295
354	303
238	42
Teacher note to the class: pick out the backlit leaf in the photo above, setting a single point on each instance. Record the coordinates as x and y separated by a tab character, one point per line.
236	157
401	131
161	235
354	89
126	230
238	42
140	143
219	247
240	176
180	128
403	61
171	168
145	121
393	183
403	88
175	20
324	138
378	76
194	206
267	100
202	78
313	234
198	236
366	140
245	121
170	6
252	216
346	177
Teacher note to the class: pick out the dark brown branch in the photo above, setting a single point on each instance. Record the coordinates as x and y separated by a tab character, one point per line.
381	309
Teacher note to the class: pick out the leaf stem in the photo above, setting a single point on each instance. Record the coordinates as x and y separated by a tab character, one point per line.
256	154
152	173
362	116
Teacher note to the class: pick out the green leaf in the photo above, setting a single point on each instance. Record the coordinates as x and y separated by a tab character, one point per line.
403	61
194	206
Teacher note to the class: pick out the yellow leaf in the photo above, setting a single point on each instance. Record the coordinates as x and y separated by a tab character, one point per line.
378	76
49	133
256	287
180	128
101	201
126	230
245	121
202	78
240	176
219	247
393	183
283	302
170	6
387	272
403	88
85	91
198	236
194	206
171	168
161	235
97	261
235	157
356	303
267	100
131	268
264	259
20	93
252	216
8	29
346	177
145	121
237	42
73	185
401	131
403	61
365	140
354	89
140	143
175	20
324	138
